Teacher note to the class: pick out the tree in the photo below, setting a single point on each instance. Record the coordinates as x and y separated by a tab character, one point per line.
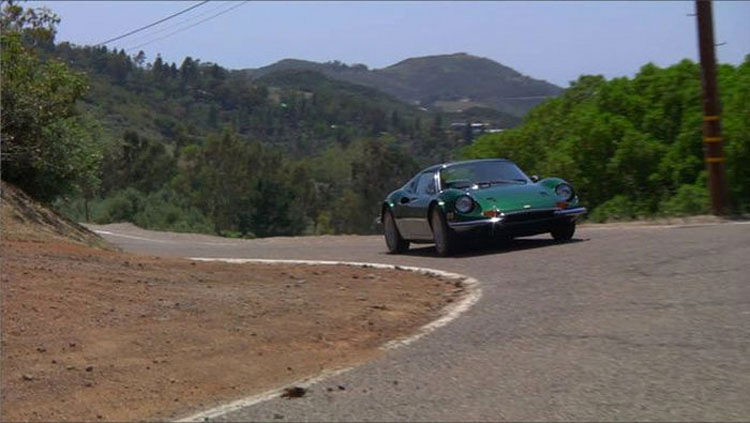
633	147
189	71
47	150
119	66
137	162
437	125
159	69
382	167
213	117
140	59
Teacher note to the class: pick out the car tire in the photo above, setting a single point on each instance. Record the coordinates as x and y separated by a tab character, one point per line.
564	232
502	241
393	240
444	242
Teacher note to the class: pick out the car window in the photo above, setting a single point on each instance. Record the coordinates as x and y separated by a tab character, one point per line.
468	174
411	186
426	184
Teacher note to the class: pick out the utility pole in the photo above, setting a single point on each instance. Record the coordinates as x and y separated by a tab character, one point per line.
713	143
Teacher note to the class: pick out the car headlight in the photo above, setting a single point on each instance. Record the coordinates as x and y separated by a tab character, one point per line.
564	192
464	204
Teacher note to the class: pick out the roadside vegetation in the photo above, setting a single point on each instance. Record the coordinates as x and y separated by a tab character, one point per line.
48	148
196	147
105	136
632	147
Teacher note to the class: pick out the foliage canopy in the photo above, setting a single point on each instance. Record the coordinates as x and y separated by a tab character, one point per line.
633	146
48	147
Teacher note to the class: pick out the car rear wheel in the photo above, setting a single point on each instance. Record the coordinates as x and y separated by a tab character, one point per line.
444	243
564	232
393	240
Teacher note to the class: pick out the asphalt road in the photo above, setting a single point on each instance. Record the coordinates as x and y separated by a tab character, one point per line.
623	323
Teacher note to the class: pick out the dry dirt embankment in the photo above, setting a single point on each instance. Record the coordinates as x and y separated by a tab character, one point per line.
94	334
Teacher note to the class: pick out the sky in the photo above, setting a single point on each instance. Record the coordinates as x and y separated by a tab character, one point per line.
555	41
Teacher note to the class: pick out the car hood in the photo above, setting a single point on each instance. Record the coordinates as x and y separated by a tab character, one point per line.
508	198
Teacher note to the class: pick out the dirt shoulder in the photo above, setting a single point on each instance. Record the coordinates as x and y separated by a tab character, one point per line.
94	335
22	218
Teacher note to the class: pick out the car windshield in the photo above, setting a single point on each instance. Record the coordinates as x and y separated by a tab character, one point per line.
481	175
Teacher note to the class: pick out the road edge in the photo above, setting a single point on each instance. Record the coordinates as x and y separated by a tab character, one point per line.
451	312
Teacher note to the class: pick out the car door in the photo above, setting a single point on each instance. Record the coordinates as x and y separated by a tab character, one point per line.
415	209
401	209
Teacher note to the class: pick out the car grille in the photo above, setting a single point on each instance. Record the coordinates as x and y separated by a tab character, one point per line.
528	216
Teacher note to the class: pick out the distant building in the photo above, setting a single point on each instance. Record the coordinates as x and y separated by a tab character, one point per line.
477	128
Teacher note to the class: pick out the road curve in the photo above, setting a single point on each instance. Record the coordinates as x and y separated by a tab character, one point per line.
624	323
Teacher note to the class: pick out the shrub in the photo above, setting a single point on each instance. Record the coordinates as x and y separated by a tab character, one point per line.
688	200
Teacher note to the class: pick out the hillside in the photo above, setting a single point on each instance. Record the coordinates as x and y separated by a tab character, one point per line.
449	83
309	82
23	219
195	147
181	104
171	136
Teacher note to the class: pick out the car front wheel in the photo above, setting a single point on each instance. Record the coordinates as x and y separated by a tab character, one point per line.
393	240
564	232
444	242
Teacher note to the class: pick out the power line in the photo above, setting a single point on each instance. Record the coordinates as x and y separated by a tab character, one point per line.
153	24
187	27
150	34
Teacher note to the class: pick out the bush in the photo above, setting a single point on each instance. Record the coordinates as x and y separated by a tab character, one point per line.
121	207
688	200
161	210
159	213
618	208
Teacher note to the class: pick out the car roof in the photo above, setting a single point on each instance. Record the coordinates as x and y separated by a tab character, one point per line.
450	164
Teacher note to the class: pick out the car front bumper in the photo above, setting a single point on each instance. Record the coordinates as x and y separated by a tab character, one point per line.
520	223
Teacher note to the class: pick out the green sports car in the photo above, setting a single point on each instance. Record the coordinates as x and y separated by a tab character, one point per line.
489	198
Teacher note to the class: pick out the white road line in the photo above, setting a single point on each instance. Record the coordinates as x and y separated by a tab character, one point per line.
450	313
257	399
159	241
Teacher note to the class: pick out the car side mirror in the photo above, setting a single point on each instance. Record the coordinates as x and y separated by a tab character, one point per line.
534	178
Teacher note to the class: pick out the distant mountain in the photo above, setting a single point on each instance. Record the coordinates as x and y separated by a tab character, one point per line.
450	83
308	80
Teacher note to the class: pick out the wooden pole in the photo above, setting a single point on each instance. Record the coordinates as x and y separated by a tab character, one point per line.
713	143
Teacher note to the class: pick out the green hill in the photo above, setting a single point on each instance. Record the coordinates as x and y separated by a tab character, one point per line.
197	147
441	82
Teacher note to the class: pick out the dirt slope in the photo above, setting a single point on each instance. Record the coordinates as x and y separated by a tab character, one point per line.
22	218
91	334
